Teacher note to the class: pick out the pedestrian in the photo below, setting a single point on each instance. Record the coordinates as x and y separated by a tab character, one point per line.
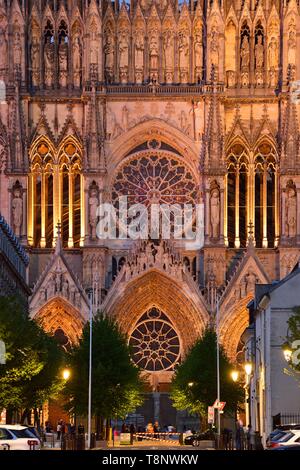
156	429
80	429
238	436
132	432
63	428
150	429
58	430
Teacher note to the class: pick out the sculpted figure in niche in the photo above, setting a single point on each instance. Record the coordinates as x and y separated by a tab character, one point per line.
291	212
3	49
215	212
183	51
259	53
35	60
153	52
214	48
273	53
245	52
77	60
292	48
94	45
93	206
17	211
63	62
198	50
123	51
168	50
17	48
139	51
49	61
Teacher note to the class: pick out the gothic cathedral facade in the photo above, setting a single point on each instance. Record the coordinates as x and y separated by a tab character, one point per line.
161	101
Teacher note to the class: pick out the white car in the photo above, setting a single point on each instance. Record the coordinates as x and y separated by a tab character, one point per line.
291	437
17	437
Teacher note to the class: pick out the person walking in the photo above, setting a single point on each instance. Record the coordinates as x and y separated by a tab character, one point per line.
58	430
132	432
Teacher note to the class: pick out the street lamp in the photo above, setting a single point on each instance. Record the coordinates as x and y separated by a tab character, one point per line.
287	352
66	373
234	375
248	368
190	384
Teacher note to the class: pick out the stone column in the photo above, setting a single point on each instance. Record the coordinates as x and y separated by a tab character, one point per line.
265	221
237	209
71	209
82	211
30	208
43	210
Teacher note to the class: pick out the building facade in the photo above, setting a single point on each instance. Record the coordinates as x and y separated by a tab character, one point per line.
161	102
273	387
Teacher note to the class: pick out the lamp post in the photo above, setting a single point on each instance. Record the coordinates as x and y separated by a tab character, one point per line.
218	369
90	368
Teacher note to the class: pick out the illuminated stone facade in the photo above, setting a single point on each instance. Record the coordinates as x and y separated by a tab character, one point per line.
199	94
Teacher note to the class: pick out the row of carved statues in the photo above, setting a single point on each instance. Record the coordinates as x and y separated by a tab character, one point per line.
168	57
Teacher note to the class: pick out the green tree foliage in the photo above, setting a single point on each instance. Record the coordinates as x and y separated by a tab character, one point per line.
116	385
294	335
30	375
194	386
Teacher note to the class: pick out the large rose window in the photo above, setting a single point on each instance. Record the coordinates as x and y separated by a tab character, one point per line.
154	179
154	342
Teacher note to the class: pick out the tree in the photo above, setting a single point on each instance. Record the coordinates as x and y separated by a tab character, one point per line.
116	384
293	340
30	375
194	386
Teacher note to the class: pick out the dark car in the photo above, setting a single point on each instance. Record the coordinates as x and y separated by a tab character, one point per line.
194	439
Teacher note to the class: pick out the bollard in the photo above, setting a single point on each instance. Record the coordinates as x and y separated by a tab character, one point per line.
93	440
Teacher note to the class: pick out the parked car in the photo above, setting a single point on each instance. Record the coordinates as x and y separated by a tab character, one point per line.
291	447
275	435
17	437
194	439
289	438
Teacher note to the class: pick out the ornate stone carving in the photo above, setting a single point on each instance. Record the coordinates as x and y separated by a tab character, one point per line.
35	60
123	56
77	55
198	55
139	56
93	207
17	209
17	47
245	53
184	56
153	55
291	211
3	51
168	55
215	211
49	61
109	52
63	62
259	53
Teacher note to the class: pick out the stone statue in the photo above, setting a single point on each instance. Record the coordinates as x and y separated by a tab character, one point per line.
51	287
291	212
93	207
65	288
17	211
17	49
245	52
139	51
259	53
35	60
214	49
153	52
63	62
123	57
251	281
109	50
94	46
3	49
273	54
168	47
215	212
198	51
77	61
125	118
292	48
49	61
183	47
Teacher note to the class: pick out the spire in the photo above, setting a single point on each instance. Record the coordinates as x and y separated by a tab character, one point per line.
214	131
290	132
18	136
95	147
